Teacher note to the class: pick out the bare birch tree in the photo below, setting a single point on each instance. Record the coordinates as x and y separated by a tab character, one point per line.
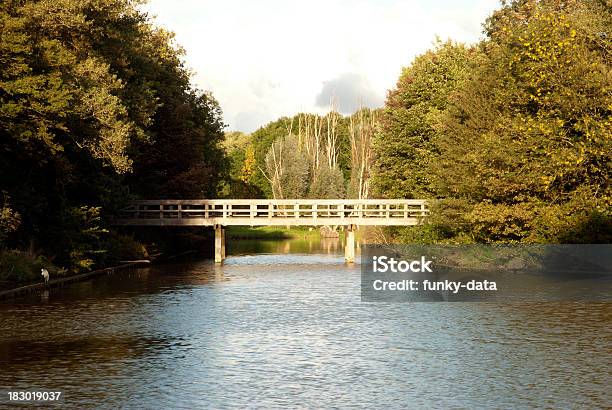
317	142
332	136
362	126
274	165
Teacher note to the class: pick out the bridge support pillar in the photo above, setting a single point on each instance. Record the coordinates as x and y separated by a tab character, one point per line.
219	243
349	244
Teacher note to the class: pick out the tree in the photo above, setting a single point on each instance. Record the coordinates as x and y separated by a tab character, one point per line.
248	167
328	184
9	220
527	140
262	140
288	170
363	125
512	138
242	166
95	105
406	145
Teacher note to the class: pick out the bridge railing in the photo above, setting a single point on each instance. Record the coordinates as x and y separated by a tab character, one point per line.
263	211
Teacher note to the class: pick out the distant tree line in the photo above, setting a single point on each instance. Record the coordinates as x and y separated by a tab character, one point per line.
305	156
96	107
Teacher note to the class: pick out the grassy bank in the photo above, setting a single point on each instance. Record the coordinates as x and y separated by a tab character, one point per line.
295	232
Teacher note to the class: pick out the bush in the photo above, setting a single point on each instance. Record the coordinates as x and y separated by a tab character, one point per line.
9	220
123	247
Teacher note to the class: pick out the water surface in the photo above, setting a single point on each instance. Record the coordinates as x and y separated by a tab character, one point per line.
288	328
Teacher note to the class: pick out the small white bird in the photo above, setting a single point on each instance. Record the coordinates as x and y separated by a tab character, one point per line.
45	274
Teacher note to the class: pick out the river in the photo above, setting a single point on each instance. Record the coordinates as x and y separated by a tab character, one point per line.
287	328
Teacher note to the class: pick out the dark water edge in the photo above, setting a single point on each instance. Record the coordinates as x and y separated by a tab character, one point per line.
287	328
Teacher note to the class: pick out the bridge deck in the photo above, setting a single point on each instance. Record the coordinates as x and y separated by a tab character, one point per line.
264	212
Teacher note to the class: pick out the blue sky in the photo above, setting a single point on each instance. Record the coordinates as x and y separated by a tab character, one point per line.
263	59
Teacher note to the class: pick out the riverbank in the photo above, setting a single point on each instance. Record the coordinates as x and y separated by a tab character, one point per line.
279	233
57	283
271	232
21	268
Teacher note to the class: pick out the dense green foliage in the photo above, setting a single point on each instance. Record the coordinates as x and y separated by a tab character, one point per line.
288	168
241	177
515	142
95	107
327	184
261	140
406	146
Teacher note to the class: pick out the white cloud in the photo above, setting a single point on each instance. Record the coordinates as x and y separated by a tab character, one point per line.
268	58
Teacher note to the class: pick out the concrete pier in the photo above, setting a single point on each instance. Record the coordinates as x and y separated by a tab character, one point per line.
349	244
219	243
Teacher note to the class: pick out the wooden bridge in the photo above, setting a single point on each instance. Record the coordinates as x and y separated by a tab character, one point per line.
220	213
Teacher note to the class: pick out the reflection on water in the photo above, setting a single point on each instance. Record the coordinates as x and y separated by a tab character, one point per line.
327	246
289	329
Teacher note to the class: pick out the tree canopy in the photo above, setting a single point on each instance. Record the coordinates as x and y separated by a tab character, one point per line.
515	140
95	106
406	145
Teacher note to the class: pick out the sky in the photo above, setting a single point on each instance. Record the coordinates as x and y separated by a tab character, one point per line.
264	59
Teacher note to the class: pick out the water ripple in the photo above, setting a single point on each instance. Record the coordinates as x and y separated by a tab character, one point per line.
291	331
